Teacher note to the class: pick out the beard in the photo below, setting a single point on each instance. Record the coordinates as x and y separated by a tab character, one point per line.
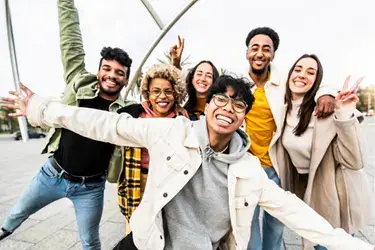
258	72
110	92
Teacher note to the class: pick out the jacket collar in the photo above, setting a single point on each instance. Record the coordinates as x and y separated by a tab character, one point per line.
274	76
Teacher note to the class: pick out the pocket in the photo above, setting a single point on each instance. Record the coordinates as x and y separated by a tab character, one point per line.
95	185
245	207
173	165
49	171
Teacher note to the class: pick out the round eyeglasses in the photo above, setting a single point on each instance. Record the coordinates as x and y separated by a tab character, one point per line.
222	100
157	92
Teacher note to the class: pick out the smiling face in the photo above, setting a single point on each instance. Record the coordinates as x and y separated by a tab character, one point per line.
223	121
161	96
303	77
260	53
112	77
203	79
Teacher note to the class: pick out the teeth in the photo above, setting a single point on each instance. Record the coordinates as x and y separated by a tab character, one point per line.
299	84
162	104
224	118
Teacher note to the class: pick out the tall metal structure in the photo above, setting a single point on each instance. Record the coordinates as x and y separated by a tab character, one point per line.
13	59
163	31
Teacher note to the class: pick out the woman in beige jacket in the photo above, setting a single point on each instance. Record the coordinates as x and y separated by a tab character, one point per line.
321	160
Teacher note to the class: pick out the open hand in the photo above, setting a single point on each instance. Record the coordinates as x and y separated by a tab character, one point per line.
347	97
175	52
17	102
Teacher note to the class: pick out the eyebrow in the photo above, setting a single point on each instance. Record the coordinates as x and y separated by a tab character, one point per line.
109	66
200	71
299	66
258	45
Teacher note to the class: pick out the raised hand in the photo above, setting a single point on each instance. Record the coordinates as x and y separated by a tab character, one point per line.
347	98
17	102
175	52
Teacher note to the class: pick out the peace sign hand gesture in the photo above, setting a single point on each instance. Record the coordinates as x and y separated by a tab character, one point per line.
175	52
347	98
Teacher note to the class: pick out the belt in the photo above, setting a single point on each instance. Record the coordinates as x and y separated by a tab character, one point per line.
73	178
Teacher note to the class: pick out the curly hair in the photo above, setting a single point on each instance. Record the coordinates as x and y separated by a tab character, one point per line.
264	31
118	55
170	73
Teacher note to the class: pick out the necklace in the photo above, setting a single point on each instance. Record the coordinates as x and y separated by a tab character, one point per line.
225	149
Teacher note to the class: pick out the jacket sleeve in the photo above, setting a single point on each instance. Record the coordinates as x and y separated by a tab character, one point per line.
118	129
347	145
71	45
302	219
325	89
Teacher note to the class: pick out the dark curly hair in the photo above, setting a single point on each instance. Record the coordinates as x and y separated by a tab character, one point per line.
264	31
240	86
192	95
118	55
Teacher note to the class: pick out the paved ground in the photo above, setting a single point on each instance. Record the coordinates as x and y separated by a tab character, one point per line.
54	226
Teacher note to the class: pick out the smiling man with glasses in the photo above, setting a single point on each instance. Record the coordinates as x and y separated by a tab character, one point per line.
203	185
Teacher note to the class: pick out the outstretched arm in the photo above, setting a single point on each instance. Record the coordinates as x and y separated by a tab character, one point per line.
302	219
71	45
119	129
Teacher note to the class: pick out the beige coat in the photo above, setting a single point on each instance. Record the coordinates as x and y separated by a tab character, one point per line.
337	187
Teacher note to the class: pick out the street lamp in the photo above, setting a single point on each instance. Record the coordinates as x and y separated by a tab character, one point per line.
13	59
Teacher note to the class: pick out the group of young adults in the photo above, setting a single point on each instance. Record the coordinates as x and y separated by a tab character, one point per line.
289	145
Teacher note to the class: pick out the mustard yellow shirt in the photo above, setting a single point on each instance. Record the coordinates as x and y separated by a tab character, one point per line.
260	126
201	105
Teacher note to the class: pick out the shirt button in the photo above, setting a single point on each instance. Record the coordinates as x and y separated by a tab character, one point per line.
186	172
168	158
165	195
246	204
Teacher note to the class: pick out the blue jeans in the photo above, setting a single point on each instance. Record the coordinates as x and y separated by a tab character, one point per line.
46	187
273	229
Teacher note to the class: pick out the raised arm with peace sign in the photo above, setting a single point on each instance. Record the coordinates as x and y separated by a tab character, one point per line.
347	97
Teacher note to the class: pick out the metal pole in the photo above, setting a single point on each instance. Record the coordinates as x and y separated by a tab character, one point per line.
13	58
156	42
153	14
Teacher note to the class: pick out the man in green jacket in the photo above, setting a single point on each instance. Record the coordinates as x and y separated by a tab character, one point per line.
78	166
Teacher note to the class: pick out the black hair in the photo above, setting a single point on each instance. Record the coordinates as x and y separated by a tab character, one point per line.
308	102
240	86
118	55
264	31
192	94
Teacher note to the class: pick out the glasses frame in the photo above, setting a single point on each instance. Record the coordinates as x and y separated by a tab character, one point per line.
161	91
215	96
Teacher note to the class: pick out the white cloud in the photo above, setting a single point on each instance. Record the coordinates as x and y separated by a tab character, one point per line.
338	32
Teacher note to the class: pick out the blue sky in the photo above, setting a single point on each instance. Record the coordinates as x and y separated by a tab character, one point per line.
339	32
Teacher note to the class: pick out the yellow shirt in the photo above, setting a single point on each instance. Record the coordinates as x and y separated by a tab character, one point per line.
201	105
260	127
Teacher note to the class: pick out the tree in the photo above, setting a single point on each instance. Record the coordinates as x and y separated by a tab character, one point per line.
366	96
